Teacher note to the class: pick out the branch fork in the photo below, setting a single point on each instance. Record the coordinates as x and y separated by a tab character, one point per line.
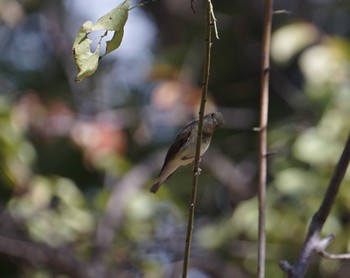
313	244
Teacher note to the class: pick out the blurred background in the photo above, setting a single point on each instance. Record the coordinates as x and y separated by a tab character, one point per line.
78	159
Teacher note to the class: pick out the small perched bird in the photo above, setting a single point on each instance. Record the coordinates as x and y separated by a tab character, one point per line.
182	151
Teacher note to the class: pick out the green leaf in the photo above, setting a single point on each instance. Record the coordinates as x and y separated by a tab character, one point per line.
113	20
115	42
87	61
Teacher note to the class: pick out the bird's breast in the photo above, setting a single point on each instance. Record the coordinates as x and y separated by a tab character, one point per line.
205	145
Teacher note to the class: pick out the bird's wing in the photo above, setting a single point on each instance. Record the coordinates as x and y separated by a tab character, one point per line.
182	137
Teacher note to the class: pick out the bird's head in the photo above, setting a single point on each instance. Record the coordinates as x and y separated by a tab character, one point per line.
212	121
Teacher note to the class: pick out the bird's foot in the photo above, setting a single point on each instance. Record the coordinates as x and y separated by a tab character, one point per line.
199	161
197	173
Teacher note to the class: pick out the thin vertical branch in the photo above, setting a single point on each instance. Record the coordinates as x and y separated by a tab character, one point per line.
206	75
265	74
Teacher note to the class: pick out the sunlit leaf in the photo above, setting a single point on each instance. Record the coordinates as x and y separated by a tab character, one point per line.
115	42
114	21
86	61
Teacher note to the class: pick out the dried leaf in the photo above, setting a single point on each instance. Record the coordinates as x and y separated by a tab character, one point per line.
113	20
115	42
87	61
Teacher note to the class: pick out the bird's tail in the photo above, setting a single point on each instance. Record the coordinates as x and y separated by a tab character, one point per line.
155	187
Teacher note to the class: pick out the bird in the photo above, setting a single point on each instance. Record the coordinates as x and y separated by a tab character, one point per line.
183	149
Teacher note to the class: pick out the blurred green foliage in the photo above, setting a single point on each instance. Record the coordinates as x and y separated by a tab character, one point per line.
77	160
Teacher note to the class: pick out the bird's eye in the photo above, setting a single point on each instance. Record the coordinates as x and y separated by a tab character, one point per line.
212	115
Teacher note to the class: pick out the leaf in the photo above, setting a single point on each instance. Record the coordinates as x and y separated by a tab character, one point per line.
113	20
115	42
86	61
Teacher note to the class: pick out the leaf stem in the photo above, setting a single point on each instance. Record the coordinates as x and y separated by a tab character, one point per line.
143	4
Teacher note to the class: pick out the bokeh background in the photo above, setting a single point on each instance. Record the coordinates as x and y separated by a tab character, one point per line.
78	159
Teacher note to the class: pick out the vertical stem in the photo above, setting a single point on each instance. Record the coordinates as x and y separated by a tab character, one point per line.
265	74
192	203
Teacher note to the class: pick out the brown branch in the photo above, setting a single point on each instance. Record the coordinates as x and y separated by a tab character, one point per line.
313	244
329	256
192	7
265	75
206	74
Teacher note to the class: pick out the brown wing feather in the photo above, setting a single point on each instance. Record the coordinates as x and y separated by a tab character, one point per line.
180	140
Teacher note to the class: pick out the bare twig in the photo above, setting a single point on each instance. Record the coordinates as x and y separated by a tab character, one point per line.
313	244
192	7
265	74
330	256
282	12
214	20
206	75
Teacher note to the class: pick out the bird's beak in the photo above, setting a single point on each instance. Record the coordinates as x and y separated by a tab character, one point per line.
219	122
